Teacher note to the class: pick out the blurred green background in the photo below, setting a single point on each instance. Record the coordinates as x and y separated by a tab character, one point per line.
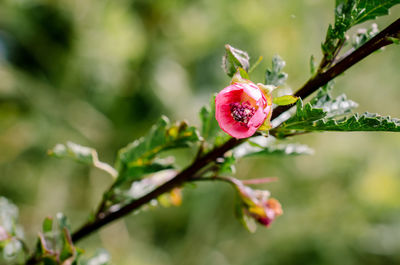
99	73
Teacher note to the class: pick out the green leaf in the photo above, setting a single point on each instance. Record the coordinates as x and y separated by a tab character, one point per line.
226	165
68	251
63	222
285	100
81	154
322	91
319	107
54	244
371	9
47	225
209	125
349	13
318	115
137	172
74	151
331	42
283	149
254	66
364	122
8	216
210	130
395	40
335	36
11	244
221	138
333	107
243	73
140	157
247	222
142	187
146	185
323	105
161	137
305	114
275	76
12	252
262	146
233	59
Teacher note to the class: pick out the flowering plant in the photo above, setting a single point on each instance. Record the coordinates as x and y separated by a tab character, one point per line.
245	119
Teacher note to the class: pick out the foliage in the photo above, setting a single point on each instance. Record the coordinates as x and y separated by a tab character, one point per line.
140	188
144	167
11	234
235	59
140	157
333	107
319	115
261	146
210	131
139	167
285	100
363	35
54	244
275	76
363	10
364	122
81	154
349	13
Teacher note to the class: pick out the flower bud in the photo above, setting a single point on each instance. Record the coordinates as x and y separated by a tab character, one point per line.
257	203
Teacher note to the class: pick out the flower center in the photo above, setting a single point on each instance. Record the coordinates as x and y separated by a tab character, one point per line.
242	112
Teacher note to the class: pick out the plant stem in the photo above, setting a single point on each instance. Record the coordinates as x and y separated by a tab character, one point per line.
175	182
380	40
325	63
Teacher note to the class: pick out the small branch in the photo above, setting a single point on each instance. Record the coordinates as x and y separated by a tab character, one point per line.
175	182
337	51
101	208
325	62
200	151
380	40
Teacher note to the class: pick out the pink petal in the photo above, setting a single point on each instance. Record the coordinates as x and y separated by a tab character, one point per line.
229	125
252	91
258	118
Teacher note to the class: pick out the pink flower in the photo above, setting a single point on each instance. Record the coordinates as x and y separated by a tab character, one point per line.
241	109
258	205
